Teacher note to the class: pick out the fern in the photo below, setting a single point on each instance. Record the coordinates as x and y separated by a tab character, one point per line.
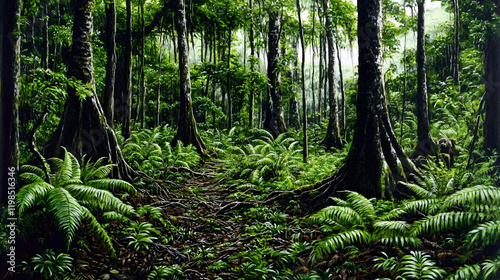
419	266
474	195
485	234
69	199
445	222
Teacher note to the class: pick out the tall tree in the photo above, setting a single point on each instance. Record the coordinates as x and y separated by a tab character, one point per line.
10	69
83	128
492	74
376	162
305	152
127	93
109	89
187	132
274	120
252	64
425	144
332	138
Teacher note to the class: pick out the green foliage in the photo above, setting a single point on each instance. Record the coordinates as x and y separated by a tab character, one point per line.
68	198
48	265
165	272
416	265
150	151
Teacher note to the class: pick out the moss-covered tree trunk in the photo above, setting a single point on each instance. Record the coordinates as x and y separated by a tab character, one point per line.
376	162
109	90
187	132
332	138
9	93
425	144
274	120
83	128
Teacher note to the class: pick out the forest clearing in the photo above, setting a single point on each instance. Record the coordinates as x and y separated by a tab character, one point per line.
250	139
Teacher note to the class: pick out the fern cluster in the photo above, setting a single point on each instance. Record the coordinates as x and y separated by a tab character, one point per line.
71	193
150	151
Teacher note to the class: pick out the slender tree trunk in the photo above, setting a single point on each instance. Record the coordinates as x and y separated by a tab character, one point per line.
293	114
403	109
425	144
252	66
127	111
214	100
313	58
143	78
109	89
10	69
83	128
342	92
321	75
305	151
158	100
274	120
332	138
45	30
187	132
229	97
492	98
456	43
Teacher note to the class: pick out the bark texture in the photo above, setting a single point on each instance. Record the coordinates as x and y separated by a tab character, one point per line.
83	129
332	138
376	162
425	144
109	90
187	132
492	95
127	93
9	92
274	121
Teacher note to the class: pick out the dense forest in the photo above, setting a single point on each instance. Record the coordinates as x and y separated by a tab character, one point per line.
250	139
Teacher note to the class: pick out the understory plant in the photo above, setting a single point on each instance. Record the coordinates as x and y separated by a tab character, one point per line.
71	193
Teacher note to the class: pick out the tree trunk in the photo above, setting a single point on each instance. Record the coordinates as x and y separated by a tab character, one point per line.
143	78
187	131
305	151
228	77
127	94
294	114
252	66
342	93
376	162
321	75
158	100
332	138
274	120
313	58
425	144
10	69
456	43
83	129
109	90
492	98
214	100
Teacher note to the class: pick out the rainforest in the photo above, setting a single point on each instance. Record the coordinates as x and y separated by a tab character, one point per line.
249	139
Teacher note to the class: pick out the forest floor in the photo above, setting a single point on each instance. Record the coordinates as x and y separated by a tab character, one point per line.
210	236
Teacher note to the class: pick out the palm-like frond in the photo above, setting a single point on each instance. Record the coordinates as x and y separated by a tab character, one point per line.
345	216
361	205
112	185
485	234
100	198
391	228
402	241
420	266
340	241
445	222
32	194
68	212
474	195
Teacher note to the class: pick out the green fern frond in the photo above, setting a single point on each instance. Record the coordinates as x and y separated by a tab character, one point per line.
426	206
112	185
445	222
99	230
361	205
402	241
420	266
474	195
340	241
345	216
391	228
485	234
115	216
418	190
30	178
393	214
31	194
68	213
32	169
467	272
100	197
